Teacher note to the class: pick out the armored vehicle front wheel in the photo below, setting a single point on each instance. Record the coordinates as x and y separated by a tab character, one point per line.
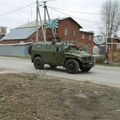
53	66
72	66
38	63
85	69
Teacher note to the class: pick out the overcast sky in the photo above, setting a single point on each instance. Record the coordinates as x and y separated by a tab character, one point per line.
78	9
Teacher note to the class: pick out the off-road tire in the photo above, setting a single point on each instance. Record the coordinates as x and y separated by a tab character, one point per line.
53	66
85	69
71	66
38	63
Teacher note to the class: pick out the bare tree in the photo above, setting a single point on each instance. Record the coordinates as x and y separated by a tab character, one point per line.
110	16
110	13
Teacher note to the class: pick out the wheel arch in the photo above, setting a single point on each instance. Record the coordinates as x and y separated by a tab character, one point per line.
37	55
74	59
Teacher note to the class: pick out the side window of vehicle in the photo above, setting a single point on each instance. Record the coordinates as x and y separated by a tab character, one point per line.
57	49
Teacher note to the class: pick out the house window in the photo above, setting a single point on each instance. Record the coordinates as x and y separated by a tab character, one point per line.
118	46
85	47
90	37
65	31
74	33
83	36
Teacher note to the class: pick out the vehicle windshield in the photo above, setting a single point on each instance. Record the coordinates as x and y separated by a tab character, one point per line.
70	48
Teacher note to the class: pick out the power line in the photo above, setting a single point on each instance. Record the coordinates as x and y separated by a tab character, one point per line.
56	9
47	0
85	26
15	10
73	16
80	12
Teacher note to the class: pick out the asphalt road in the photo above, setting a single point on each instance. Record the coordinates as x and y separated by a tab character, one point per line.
98	74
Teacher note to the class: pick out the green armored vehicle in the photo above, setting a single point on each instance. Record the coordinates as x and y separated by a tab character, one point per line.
60	54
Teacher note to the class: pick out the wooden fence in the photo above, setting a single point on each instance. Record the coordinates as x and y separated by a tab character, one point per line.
114	56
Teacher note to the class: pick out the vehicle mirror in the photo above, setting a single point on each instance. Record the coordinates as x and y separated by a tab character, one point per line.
53	42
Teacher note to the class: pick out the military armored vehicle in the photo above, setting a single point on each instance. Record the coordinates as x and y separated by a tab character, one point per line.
60	54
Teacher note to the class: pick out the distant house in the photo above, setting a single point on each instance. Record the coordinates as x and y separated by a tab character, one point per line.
68	30
18	35
114	49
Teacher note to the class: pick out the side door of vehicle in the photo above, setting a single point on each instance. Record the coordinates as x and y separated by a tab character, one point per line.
59	56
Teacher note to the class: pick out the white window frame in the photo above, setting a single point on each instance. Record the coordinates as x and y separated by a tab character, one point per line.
90	37
83	36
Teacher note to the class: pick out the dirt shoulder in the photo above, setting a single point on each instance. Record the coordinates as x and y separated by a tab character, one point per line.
37	97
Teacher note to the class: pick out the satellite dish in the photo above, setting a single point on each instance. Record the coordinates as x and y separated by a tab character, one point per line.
99	39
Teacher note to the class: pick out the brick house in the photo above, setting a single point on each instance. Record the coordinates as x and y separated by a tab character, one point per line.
114	49
68	30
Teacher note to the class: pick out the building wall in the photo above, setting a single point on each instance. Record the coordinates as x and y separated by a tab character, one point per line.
49	36
87	41
68	30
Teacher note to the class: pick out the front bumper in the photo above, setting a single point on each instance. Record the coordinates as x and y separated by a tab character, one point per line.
88	65
88	61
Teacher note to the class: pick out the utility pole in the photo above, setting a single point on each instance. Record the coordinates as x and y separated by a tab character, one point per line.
106	52
45	19
43	26
37	10
46	10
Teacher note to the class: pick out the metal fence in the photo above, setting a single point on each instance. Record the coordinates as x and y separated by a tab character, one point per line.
14	50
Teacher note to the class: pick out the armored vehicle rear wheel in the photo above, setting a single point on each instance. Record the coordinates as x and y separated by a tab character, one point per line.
72	66
38	63
85	69
53	66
